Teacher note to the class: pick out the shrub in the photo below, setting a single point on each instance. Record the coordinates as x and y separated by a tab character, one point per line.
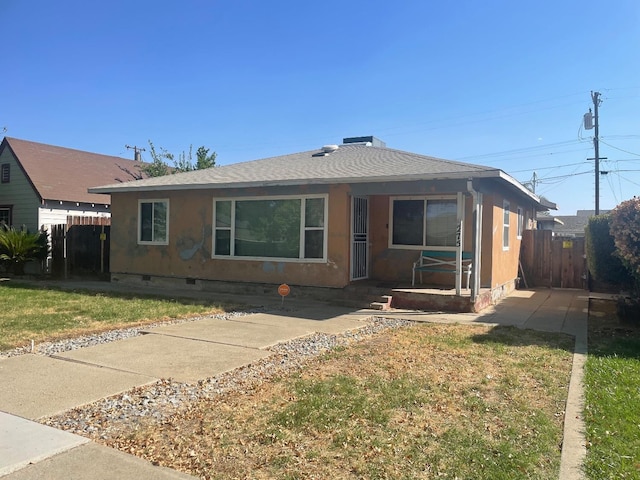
605	266
625	228
17	247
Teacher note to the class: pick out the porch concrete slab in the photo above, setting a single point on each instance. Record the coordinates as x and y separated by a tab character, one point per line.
34	386
162	356
241	332
95	462
23	442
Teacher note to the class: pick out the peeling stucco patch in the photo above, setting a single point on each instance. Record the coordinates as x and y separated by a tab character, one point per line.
188	253
270	267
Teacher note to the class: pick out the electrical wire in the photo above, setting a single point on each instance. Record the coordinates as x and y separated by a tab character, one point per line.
615	197
625	151
519	150
549	168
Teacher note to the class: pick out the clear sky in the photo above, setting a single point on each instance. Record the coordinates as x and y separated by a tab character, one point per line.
497	83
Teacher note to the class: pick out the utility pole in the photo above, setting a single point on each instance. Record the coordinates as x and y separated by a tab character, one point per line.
595	96
534	181
136	152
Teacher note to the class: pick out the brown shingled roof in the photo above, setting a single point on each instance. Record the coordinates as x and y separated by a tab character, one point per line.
65	174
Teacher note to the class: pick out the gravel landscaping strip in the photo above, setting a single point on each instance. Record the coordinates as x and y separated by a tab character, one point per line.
161	400
65	345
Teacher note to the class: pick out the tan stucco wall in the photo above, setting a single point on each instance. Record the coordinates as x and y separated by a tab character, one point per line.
504	263
188	254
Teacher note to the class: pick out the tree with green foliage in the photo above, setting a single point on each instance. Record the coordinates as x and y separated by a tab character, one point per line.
162	160
17	247
625	228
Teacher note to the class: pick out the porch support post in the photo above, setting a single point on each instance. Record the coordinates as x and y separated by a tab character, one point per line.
477	246
459	241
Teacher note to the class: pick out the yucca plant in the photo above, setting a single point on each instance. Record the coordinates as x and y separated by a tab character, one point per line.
17	247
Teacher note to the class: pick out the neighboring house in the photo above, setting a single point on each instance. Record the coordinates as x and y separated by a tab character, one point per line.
547	222
323	218
40	185
570	225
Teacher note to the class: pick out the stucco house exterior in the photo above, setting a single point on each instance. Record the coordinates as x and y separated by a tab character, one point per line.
40	185
325	218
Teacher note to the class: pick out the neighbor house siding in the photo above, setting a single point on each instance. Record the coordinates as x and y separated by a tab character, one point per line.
188	252
50	215
19	194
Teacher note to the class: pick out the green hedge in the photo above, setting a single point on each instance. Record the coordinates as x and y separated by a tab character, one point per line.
604	264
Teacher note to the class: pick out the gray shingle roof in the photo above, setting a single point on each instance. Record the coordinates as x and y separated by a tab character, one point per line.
348	164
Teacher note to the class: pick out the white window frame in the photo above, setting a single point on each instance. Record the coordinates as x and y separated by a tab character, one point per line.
139	223
9	211
520	219
506	224
303	228
425	198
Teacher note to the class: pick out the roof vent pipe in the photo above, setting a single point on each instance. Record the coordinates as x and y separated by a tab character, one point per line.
330	148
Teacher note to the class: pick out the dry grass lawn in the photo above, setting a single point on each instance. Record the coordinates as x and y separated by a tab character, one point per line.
429	401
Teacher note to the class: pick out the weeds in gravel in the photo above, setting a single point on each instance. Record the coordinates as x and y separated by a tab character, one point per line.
38	314
429	401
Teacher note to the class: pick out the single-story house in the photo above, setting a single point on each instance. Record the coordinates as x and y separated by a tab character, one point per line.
41	185
326	218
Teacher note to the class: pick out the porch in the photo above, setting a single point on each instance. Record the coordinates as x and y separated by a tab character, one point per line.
385	296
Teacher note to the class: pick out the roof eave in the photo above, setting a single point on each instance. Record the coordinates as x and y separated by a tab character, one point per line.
131	187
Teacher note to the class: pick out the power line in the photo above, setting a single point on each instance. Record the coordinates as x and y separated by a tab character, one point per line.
519	150
549	168
625	151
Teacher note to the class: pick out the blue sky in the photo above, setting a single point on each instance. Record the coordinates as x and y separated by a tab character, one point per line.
497	83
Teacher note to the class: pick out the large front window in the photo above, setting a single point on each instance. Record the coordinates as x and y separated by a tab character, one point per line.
153	221
272	227
424	222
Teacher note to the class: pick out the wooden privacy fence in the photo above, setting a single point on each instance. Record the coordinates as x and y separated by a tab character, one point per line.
548	261
81	246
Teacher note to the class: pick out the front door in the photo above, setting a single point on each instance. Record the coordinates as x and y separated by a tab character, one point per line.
359	238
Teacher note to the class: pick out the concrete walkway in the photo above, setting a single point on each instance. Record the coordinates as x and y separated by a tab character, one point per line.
35	386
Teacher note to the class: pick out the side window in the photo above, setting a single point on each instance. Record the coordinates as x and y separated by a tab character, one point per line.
153	222
505	225
520	221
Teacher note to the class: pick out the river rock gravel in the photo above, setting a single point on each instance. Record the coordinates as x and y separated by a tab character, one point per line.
159	401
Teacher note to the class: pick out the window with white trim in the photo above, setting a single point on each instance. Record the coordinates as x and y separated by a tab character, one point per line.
5	216
290	228
506	216
153	222
520	221
423	222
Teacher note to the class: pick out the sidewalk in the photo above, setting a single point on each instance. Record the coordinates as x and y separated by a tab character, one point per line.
35	386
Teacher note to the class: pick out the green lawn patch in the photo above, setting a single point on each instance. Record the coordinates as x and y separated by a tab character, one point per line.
41	314
612	397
